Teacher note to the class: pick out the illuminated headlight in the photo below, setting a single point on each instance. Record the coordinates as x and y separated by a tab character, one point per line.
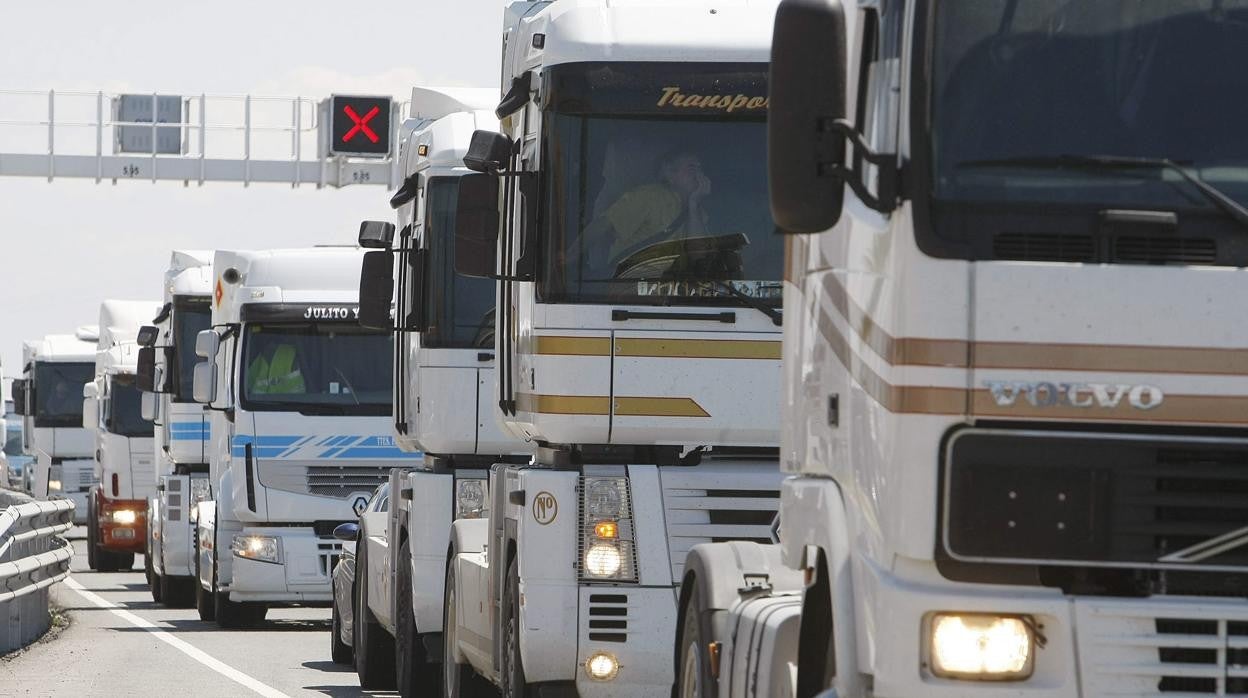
54	485
606	529
470	498
262	548
602	666
125	517
603	560
981	647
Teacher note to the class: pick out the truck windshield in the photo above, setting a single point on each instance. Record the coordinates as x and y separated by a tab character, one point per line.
1023	88
315	368
459	309
124	417
58	392
190	317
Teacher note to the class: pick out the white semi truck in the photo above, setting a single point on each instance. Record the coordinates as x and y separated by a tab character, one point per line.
49	398
117	506
299	428
1015	397
622	210
444	392
181	434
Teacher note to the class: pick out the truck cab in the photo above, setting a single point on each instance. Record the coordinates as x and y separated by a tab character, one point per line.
111	412
443	389
299	400
49	397
621	209
181	425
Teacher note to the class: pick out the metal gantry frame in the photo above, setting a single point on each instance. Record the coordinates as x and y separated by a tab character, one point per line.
300	164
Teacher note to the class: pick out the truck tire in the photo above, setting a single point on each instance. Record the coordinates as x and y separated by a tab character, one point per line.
513	682
235	615
374	648
339	651
415	674
92	563
693	667
459	680
153	579
204	599
176	591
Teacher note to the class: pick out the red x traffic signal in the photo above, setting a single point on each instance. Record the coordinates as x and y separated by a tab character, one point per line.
361	125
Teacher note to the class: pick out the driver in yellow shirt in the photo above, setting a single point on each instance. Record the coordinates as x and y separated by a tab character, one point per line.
276	375
670	208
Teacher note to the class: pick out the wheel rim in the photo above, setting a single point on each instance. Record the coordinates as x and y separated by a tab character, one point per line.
512	676
689	678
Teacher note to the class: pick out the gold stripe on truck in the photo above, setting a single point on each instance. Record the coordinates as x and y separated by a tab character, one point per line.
699	348
658	407
572	346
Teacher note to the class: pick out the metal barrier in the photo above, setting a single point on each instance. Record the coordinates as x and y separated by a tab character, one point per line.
33	557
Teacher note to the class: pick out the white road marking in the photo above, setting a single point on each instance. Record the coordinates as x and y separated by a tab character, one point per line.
183	646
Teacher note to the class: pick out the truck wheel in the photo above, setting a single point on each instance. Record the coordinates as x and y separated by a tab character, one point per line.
176	591
153	580
693	678
460	680
92	563
374	648
514	683
204	599
234	615
414	672
339	651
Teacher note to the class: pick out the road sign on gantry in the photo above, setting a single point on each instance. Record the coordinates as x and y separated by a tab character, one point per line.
360	126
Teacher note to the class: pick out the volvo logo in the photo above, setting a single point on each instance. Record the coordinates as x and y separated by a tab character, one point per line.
1083	395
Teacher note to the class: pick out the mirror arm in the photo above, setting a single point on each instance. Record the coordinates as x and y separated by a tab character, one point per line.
890	173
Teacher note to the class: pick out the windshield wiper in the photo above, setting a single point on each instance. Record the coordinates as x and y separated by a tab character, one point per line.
776	316
1229	206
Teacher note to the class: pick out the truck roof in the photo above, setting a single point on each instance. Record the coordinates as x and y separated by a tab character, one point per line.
303	275
446	139
63	348
189	274
117	348
627	30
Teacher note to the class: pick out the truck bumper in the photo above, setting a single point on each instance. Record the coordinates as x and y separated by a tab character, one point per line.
302	576
642	647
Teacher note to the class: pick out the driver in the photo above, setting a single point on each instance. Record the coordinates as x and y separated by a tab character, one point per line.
62	401
278	374
670	208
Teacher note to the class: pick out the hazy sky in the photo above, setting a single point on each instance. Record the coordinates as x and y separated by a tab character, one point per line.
67	244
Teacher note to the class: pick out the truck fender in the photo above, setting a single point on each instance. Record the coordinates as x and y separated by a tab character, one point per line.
723	570
470	535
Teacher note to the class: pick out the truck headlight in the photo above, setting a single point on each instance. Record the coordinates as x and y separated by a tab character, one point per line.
981	646
607	549
125	517
54	485
470	498
262	548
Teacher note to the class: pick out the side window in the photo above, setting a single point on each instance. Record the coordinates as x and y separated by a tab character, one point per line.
878	96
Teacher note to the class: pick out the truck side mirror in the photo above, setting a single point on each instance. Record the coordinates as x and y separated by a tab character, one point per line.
19	396
349	531
90	406
206	344
805	155
204	376
145	372
204	382
376	288
488	151
148	334
378	235
149	407
476	225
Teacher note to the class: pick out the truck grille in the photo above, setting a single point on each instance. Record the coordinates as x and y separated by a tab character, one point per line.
322	480
1091	499
328	553
1164	648
718	502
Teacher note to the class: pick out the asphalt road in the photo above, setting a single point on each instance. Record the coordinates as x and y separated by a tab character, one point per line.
120	643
